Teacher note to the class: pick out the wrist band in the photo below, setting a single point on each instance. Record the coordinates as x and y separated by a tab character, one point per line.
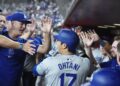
20	46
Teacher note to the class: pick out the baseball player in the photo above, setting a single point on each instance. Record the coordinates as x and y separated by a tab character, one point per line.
66	68
106	77
11	60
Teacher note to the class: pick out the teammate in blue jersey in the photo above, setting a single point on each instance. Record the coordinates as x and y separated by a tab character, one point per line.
27	76
11	60
41	48
66	68
8	43
113	62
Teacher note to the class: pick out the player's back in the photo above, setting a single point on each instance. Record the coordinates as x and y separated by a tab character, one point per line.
65	70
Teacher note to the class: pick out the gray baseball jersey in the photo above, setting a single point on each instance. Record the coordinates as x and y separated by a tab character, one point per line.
64	70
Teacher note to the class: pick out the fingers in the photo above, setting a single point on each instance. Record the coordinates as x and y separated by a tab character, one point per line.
31	51
32	45
90	32
47	20
29	48
94	31
86	35
82	35
46	24
86	38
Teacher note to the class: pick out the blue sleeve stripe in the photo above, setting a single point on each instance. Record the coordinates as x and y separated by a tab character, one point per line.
35	73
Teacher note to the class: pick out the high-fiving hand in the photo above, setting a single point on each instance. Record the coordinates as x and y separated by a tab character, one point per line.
87	39
29	48
94	35
46	24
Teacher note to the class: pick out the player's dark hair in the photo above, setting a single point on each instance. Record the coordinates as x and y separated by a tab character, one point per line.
71	50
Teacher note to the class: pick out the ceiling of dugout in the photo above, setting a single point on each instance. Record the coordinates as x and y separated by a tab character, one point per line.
90	12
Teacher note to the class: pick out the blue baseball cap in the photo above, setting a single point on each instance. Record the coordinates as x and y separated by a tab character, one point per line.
9	18
106	77
18	16
69	37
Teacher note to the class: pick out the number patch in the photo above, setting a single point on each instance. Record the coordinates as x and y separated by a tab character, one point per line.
66	75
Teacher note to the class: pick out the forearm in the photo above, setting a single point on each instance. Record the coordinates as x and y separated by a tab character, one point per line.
90	55
39	57
45	47
26	35
46	29
8	43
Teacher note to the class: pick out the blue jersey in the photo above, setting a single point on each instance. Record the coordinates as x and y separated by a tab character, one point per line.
30	60
111	63
11	64
36	41
4	30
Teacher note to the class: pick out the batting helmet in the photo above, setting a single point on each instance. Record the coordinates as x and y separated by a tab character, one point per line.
106	77
69	37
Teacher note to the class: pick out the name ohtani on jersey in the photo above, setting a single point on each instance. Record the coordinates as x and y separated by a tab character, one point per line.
69	65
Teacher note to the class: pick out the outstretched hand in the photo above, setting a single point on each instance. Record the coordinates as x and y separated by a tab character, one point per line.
29	48
94	35
46	24
87	40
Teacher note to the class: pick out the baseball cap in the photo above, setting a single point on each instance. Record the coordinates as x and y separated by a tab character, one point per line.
106	77
9	17
18	16
69	37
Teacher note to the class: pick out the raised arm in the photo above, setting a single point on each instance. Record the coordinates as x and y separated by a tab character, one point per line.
46	29
88	41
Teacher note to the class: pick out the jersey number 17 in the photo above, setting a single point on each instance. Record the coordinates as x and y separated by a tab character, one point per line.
68	75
